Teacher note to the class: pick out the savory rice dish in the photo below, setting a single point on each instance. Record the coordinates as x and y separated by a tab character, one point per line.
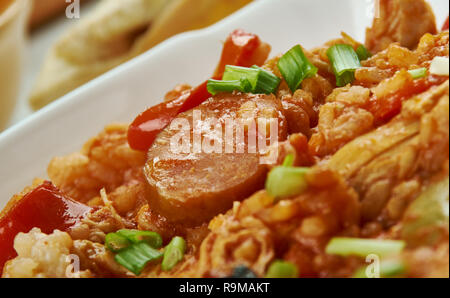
337	165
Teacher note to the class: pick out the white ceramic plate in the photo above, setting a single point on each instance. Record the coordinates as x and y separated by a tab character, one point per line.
119	95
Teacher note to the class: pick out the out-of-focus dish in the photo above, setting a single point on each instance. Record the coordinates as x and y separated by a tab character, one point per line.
44	11
116	31
361	170
13	16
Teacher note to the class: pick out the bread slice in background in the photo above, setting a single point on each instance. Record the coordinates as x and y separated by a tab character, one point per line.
184	15
44	10
116	31
100	41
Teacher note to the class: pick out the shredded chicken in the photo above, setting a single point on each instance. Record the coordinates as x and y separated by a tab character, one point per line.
414	142
402	21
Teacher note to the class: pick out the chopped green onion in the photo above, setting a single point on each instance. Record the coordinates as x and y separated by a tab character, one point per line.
115	242
173	253
236	73
344	62
282	269
288	161
267	81
262	81
388	269
283	182
295	67
418	73
136	236
134	248
363	247
363	53
137	256
242	85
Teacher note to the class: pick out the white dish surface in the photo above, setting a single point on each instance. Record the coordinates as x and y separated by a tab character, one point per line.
119	95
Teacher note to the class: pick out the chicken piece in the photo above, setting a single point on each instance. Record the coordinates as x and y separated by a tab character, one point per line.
233	243
403	21
337	126
341	120
96	259
417	141
192	182
97	224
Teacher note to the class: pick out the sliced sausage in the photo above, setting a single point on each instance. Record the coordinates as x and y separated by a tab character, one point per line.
192	187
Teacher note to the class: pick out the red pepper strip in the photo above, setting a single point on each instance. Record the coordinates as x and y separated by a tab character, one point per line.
46	208
241	48
144	129
384	109
196	97
445	26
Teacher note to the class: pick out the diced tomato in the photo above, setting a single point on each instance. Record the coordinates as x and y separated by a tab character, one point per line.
388	107
240	48
445	26
46	208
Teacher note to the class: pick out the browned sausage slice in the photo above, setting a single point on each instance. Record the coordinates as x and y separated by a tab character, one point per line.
192	187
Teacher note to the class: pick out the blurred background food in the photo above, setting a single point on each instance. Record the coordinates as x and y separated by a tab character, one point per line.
45	10
13	16
66	51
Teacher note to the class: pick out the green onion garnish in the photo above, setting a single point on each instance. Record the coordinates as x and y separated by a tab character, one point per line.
363	247
295	67
283	182
388	269
262	81
267	82
134	248
418	73
363	53
173	253
288	160
344	62
236	73
242	85
115	242
137	256
286	180
282	269
136	236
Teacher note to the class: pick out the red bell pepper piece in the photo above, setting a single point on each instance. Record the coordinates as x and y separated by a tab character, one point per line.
144	129
46	208
240	48
445	26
